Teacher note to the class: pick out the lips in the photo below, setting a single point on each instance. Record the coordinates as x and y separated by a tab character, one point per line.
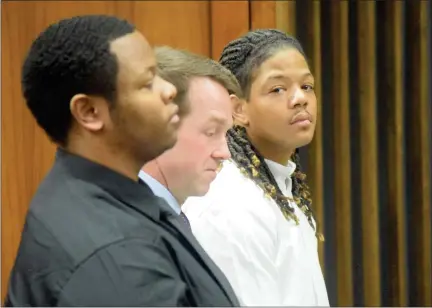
300	117
175	114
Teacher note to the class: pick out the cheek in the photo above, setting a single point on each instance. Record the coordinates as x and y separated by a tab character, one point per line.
270	117
191	147
198	151
122	120
313	107
147	105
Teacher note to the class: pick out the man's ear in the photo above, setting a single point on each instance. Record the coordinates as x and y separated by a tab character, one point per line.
87	111
239	111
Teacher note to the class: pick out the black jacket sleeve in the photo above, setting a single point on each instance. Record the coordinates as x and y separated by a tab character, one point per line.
132	272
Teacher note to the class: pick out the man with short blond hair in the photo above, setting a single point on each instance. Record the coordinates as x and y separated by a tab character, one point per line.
204	89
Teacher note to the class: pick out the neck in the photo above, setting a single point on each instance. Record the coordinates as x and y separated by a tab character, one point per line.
153	168
271	151
115	159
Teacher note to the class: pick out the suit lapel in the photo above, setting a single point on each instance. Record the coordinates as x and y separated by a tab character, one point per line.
201	255
166	213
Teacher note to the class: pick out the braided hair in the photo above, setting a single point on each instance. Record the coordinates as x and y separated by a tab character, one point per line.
243	57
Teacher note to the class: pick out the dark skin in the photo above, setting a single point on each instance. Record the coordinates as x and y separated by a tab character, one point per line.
140	125
281	112
279	117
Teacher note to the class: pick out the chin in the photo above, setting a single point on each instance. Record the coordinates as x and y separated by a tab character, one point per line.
302	141
154	150
202	191
169	143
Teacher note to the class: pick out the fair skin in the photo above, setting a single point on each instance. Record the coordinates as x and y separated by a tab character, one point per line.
280	115
141	124
191	165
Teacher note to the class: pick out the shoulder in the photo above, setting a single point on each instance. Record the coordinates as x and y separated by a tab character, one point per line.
234	206
128	254
230	192
45	274
125	273
62	240
230	186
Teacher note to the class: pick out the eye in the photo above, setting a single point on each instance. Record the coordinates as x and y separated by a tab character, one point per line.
277	90
210	133
308	87
149	85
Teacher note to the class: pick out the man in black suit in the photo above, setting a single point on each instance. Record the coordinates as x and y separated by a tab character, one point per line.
94	235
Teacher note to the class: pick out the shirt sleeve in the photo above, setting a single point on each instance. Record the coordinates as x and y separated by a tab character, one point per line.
129	273
244	249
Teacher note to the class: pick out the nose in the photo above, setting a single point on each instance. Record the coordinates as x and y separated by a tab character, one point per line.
222	152
169	92
298	98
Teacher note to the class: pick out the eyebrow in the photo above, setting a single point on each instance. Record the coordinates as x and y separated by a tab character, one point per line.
217	119
149	69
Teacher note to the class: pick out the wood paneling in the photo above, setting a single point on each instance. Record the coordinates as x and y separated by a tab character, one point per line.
273	14
286	16
263	14
181	24
229	20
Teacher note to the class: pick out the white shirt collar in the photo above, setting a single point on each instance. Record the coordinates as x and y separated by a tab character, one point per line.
282	175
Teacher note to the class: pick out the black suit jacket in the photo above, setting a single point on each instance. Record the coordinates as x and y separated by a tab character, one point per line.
93	237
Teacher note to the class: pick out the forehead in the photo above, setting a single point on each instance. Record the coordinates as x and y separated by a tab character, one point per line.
134	55
288	61
207	97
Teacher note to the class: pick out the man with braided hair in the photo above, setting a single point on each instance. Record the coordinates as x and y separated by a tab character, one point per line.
256	221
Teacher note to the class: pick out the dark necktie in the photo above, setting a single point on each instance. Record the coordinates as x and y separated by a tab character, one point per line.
185	220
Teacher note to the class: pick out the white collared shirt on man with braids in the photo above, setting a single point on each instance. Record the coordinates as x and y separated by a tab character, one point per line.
269	260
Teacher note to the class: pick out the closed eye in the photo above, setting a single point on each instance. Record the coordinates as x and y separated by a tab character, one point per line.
148	84
210	133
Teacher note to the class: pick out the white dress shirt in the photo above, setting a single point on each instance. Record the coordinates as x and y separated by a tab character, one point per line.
269	260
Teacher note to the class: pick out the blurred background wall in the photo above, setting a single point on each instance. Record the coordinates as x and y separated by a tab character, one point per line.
369	165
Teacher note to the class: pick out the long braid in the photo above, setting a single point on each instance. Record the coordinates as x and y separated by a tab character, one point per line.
302	195
241	57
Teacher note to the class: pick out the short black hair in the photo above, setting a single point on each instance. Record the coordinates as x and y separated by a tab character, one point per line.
243	57
70	57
